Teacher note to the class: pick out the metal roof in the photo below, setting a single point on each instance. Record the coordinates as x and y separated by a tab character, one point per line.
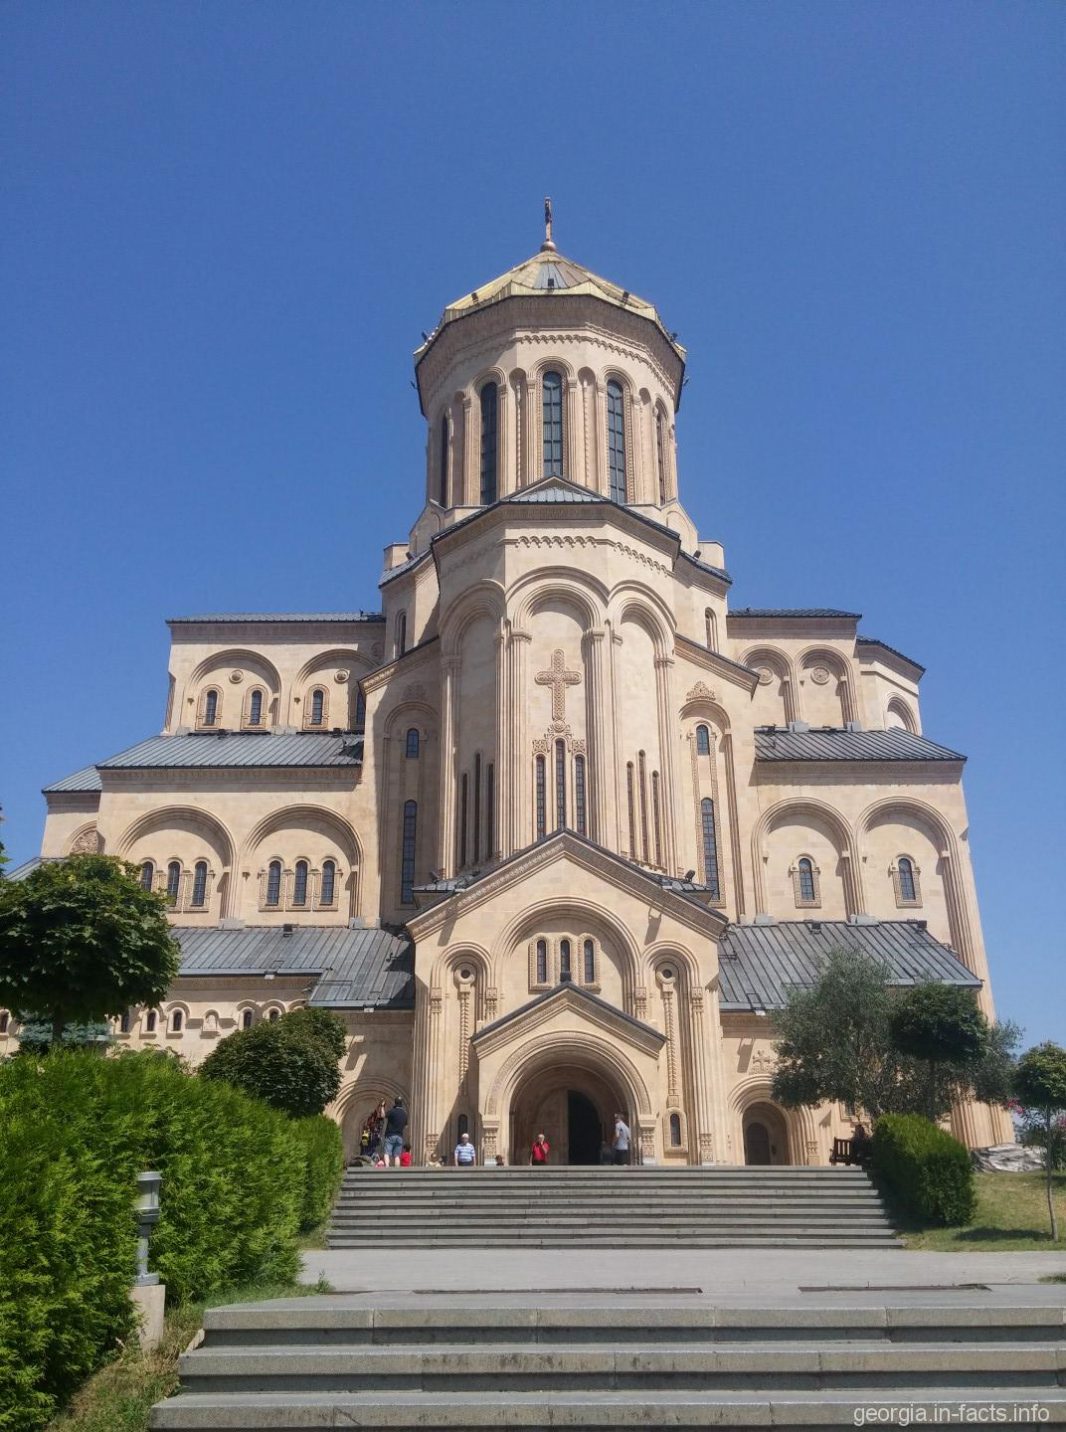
217	749
87	779
758	964
873	641
555	490
347	967
26	868
279	617
779	743
792	612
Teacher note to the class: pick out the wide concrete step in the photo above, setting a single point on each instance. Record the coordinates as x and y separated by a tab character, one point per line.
537	1412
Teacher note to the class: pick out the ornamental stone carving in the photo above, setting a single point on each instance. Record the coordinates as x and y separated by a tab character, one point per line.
702	692
765	675
340	677
236	677
819	675
88	843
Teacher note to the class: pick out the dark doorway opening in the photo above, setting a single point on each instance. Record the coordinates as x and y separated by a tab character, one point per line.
586	1133
756	1143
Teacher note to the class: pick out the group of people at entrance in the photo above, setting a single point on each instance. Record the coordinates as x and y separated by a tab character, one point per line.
615	1153
383	1141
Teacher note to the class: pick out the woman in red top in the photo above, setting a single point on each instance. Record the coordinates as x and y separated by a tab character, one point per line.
538	1154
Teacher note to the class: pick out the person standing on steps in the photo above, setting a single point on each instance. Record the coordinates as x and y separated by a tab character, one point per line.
395	1123
465	1153
620	1143
540	1152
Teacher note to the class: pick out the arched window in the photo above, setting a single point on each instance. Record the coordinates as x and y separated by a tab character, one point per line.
710	847
273	890
407	852
124	1022
316	714
360	712
542	962
329	882
246	1019
552	404
660	453
703	741
151	1019
590	962
411	749
560	785
580	817
806	884
177	1021
299	883
274	1016
566	973
489	406
401	634
147	875
442	476
675	1131
5	1021
173	881
616	442
210	708
199	883
255	708
541	797
907	881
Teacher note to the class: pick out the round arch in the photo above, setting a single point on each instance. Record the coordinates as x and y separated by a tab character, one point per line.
485	599
184	818
841	834
632	601
339	655
237	656
904	713
532	592
587	915
309	816
584	1050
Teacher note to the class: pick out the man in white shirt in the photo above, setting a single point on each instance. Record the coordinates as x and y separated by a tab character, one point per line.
620	1144
465	1153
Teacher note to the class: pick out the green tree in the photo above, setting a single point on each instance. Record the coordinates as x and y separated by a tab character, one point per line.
81	940
292	1063
1040	1087
941	1028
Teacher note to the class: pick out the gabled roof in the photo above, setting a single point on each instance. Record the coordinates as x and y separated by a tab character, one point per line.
573	992
346	968
554	489
278	617
758	964
222	750
825	743
870	641
87	779
789	613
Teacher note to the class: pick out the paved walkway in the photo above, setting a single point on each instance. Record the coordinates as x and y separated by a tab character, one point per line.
717	1274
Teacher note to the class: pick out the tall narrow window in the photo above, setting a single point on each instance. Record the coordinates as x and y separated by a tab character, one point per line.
642	792
580	817
318	707
199	883
255	709
442	477
566	973
710	848
147	875
462	1125
908	889
675	1131
552	385
541	797
805	871
151	1019
490	810
703	741
299	883
5	1022
542	962
177	1021
660	453
711	622
616	442
590	962
360	712
210	708
631	804
124	1022
560	785
657	817
273	890
489	406
477	809
407	863
173	881
328	889
464	796
411	750
246	1019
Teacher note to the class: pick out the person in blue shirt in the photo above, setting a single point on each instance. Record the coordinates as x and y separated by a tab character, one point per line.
465	1153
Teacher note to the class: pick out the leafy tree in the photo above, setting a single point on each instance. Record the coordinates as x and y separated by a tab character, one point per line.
1040	1086
291	1063
81	940
321	1024
941	1028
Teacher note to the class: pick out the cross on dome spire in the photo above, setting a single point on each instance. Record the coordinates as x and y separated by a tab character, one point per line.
547	245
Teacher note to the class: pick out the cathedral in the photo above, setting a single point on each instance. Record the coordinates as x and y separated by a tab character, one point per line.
556	828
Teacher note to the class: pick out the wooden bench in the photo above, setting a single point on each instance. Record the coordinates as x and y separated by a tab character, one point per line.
845	1153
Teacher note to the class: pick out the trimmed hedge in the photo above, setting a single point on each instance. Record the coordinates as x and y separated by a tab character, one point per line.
292	1063
239	1182
926	1171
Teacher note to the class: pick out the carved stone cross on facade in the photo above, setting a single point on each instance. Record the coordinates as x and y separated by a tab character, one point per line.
558	678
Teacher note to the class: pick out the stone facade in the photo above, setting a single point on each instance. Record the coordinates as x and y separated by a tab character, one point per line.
557	768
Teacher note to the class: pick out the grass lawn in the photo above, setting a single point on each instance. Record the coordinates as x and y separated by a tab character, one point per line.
1011	1215
119	1397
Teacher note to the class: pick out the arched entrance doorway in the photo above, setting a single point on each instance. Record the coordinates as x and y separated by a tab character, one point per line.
573	1107
765	1135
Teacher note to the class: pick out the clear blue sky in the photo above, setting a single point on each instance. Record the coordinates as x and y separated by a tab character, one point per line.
227	224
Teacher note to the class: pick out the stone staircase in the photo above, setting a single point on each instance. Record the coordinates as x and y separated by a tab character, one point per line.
469	1361
610	1208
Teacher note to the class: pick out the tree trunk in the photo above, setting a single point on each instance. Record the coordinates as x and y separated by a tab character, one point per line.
1050	1181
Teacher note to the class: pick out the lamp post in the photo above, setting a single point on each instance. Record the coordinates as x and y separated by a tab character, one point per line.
147	1208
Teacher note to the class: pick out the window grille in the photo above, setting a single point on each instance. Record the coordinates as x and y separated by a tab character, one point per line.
329	882
489	408
580	817
710	848
541	797
299	883
407	863
199	883
412	744
616	443
552	385
273	890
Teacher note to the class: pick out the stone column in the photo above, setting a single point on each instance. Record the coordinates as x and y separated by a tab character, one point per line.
471	455
701	1131
667	726
520	774
598	731
446	859
506	475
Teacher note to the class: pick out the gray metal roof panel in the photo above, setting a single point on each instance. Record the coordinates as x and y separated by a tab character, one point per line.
239	749
279	617
792	612
873	641
554	490
758	964
87	779
357	968
26	868
828	744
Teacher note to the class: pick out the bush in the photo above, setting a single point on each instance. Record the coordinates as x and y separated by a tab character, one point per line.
293	1063
324	1148
239	1179
926	1171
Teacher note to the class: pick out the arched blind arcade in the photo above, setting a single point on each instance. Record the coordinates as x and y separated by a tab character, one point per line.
616	443
489	425
552	403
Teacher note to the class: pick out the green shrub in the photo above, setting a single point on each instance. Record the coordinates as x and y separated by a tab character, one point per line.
324	1148
926	1172
320	1024
239	1179
292	1063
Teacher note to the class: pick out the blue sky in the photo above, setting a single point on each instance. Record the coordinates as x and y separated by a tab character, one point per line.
227	225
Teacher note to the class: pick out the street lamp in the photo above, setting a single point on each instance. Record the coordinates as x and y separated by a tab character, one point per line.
147	1208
